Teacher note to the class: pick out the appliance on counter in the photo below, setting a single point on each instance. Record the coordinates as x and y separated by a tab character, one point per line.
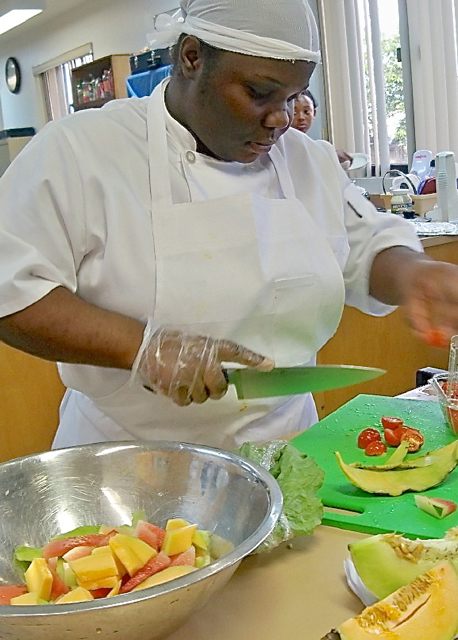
447	193
12	141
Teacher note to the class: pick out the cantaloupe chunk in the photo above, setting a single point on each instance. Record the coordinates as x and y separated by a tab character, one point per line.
164	576
176	523
26	599
132	552
115	590
39	578
101	583
95	567
80	594
121	568
178	540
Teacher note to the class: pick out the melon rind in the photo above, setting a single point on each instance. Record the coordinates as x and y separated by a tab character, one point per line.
417	474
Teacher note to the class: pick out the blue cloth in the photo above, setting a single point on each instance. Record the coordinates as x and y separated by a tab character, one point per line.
142	84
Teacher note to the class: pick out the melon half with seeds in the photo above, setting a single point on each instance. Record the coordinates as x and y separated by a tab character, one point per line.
425	609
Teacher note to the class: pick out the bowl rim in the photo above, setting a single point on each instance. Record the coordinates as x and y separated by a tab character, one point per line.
233	558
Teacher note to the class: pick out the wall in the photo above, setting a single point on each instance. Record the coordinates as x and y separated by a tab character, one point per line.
112	26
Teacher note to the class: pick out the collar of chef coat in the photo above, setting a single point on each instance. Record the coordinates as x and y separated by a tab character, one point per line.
206	177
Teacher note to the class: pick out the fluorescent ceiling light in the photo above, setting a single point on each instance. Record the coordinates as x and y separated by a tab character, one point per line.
14	18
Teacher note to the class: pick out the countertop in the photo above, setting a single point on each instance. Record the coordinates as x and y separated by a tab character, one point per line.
296	592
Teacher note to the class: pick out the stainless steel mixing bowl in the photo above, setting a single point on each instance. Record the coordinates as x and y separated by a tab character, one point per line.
46	494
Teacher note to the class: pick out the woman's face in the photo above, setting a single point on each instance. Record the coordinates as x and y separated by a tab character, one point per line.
304	113
240	105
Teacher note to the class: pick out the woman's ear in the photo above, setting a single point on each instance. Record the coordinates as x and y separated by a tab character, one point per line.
190	56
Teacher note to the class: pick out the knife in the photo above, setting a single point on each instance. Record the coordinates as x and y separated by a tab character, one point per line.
289	381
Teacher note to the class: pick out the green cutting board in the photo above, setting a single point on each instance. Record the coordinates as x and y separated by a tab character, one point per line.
348	507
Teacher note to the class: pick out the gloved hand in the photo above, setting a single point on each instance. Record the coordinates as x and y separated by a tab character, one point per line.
187	368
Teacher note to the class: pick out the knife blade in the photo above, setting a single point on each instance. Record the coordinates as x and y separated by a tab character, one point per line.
289	381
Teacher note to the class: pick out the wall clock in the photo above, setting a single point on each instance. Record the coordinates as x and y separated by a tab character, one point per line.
13	75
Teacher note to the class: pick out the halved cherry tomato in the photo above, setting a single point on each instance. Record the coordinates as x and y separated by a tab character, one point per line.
414	438
375	448
437	338
389	422
367	436
393	436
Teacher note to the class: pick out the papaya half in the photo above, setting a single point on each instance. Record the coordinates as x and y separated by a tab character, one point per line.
425	609
415	474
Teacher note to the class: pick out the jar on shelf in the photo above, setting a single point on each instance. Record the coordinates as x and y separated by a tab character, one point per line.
401	203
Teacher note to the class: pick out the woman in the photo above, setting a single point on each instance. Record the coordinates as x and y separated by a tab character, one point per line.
160	237
305	107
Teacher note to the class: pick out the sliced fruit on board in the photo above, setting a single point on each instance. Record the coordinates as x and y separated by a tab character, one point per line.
436	507
425	609
385	562
416	474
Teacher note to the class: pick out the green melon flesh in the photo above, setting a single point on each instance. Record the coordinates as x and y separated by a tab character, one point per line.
417	474
425	609
386	562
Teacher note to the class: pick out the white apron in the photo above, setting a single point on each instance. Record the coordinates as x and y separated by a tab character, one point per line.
255	270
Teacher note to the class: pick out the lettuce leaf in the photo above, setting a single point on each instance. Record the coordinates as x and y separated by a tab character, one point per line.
299	478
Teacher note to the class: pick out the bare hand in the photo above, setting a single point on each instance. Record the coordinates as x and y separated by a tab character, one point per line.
431	301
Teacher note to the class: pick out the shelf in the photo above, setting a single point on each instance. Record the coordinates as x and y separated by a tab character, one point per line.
120	68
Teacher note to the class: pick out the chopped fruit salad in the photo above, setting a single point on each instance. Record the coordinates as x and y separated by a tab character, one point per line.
98	562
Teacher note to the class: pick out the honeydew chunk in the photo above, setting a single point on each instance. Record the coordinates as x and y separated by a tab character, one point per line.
80	594
65	573
132	552
101	583
176	523
202	561
164	576
178	540
95	567
31	598
39	578
201	539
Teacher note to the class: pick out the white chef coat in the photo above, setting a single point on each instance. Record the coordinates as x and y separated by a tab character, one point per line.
90	230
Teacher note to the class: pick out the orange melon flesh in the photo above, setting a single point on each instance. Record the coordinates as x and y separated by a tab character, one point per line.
425	609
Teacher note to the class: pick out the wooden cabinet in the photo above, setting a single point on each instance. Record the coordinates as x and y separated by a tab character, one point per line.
385	342
100	81
30	394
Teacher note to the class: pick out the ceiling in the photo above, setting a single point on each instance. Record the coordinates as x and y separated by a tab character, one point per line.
54	9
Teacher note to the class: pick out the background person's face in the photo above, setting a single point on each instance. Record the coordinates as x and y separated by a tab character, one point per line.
243	104
304	113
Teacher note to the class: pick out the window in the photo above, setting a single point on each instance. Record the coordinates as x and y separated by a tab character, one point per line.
391	77
55	81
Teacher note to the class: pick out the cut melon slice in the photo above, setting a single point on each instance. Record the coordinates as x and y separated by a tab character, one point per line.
436	507
425	609
387	561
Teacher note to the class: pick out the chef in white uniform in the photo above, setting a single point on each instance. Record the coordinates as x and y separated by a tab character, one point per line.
144	244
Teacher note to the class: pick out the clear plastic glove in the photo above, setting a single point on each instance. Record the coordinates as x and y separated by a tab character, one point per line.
187	368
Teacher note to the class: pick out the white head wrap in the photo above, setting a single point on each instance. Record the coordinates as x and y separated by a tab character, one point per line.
262	28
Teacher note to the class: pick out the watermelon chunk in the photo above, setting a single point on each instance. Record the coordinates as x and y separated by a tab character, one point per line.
436	507
149	533
11	591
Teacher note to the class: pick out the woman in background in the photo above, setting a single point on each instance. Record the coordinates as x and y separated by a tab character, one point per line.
305	107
